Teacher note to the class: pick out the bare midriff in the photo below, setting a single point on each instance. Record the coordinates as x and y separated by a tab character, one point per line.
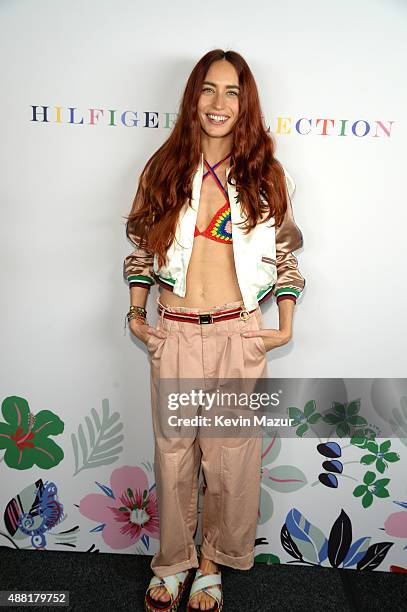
211	278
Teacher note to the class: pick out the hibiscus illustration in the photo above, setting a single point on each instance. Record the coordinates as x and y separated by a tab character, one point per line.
127	510
25	436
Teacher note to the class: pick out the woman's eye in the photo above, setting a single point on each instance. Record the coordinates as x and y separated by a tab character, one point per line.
210	89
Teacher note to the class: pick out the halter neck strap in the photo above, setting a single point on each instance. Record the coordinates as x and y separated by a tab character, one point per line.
213	173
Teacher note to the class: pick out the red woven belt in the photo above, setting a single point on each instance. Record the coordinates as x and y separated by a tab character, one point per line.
206	317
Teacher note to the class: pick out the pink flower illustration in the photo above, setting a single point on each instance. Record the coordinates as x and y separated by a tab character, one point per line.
127	510
396	524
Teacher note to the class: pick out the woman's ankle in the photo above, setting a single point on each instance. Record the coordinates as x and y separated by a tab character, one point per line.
207	565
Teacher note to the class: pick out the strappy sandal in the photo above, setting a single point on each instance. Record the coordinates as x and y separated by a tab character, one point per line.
209	584
175	585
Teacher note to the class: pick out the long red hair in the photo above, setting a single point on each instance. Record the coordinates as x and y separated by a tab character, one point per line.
166	180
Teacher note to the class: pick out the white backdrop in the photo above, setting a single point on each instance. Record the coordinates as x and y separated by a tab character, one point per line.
66	184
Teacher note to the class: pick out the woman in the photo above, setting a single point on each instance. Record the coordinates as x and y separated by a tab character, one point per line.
195	222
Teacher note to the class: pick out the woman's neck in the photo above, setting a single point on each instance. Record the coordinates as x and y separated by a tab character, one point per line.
215	149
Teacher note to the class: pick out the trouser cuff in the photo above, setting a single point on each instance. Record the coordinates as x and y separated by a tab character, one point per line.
242	563
168	570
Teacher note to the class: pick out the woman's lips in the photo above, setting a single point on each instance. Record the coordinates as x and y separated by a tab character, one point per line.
213	122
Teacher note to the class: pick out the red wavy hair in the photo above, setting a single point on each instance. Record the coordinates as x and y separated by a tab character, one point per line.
166	180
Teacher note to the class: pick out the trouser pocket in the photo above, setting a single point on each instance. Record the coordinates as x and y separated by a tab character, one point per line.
155	344
255	323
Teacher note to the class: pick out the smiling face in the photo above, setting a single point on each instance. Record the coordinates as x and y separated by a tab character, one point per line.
218	104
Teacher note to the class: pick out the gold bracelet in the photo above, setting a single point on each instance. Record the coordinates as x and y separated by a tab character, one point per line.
138	309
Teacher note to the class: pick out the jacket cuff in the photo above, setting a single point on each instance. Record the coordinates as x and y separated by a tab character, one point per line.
139	280
284	293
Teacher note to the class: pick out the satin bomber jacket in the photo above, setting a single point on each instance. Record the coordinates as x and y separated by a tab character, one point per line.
264	260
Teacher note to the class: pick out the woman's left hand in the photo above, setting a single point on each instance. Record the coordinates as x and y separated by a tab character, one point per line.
272	338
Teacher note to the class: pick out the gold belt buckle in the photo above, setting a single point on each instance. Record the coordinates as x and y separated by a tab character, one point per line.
244	314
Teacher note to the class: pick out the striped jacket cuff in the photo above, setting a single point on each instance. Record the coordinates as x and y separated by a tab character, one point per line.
139	280
287	293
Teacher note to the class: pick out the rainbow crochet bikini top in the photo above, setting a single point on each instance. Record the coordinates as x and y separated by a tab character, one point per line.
220	228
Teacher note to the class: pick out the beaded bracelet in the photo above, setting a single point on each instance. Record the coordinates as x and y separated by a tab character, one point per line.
135	312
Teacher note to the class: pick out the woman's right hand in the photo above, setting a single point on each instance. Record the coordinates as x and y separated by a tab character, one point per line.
144	331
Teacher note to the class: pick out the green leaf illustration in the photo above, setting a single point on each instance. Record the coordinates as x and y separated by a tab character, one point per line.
301	430
391	457
98	444
382	493
367	499
353	407
368	459
267	558
369	477
385	446
309	408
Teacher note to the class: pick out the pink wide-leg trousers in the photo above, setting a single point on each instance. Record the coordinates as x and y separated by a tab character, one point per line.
231	465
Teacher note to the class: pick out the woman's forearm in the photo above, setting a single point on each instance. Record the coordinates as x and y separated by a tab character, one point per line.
285	315
138	296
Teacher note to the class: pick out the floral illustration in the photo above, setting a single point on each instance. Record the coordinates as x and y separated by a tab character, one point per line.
371	487
396	523
278	479
308	544
126	511
26	436
379	455
347	422
345	417
304	419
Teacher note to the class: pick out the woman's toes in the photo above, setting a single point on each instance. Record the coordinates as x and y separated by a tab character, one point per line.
195	601
202	601
160	593
164	595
